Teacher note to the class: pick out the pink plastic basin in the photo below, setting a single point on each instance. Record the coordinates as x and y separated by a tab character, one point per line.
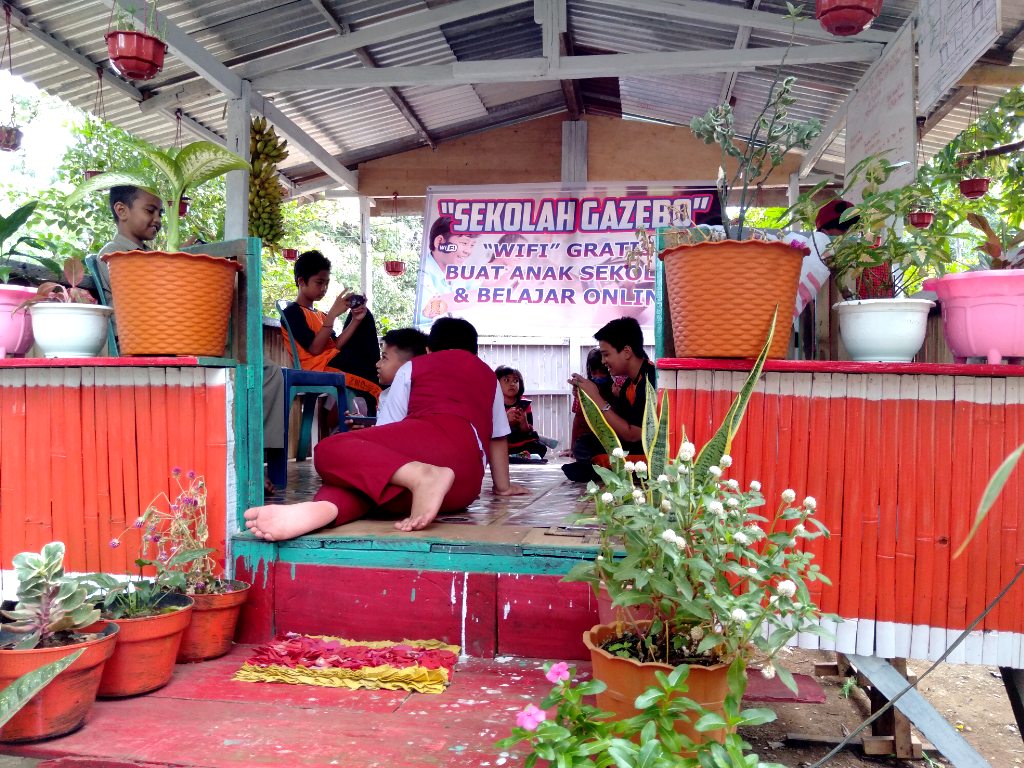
16	329
982	313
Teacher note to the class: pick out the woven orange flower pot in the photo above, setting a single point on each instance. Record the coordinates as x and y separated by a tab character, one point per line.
721	296
171	303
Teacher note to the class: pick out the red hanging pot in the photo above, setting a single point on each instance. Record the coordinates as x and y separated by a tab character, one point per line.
972	189
394	268
290	254
135	55
183	207
90	174
921	219
10	138
847	17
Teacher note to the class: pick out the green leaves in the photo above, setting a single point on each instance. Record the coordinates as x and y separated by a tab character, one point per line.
20	692
202	161
598	424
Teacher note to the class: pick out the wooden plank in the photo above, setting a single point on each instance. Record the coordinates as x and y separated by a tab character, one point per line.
965	412
924	512
907	507
91	463
527	607
834	389
912	704
889	445
946	458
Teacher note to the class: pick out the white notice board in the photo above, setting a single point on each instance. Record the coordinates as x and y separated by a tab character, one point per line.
881	115
951	36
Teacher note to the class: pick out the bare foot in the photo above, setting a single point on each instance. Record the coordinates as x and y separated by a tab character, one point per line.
277	522
428	485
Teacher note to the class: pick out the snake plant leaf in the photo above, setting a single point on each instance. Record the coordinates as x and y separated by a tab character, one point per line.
201	161
649	429
991	494
112	179
721	442
20	692
598	424
657	456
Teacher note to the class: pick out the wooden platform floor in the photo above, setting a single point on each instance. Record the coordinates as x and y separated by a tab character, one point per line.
205	719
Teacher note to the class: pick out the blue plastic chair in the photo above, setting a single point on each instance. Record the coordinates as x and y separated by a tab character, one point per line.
91	264
310	385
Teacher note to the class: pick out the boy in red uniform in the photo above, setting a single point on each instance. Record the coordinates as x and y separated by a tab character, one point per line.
427	454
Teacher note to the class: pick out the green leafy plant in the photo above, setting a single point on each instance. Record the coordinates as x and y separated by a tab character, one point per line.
1000	243
580	735
723	581
9	227
125	19
51	607
170	173
20	692
72	293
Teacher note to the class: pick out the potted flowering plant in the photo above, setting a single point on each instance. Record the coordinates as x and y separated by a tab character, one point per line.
174	540
51	619
724	583
705	257
580	735
135	54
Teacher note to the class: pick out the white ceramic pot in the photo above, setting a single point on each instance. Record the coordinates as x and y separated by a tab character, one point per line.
883	330
70	330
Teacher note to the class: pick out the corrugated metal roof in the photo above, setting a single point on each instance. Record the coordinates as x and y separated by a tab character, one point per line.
357	124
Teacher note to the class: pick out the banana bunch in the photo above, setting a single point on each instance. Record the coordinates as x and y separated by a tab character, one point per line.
265	192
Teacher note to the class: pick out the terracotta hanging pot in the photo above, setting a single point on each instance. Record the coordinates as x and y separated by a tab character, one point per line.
10	138
183	207
214	618
847	17
135	55
90	174
972	189
920	219
290	254
394	268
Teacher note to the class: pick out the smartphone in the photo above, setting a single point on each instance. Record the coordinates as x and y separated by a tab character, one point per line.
356	300
362	421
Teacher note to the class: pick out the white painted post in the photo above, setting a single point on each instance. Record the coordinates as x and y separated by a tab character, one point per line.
365	263
236	216
574	151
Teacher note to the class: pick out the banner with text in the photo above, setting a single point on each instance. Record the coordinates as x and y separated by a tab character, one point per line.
534	260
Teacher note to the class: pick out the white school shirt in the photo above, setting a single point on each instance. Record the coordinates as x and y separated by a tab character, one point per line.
396	407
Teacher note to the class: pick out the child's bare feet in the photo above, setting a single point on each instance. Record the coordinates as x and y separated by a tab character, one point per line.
277	522
428	485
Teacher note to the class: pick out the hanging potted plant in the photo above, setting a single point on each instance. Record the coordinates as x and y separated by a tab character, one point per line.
176	535
725	584
847	17
876	265
189	314
394	267
289	254
67	321
51	619
708	257
134	54
10	137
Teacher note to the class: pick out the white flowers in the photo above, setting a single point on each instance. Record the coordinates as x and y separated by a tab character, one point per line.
630	466
786	588
638	496
592	488
662	478
753	532
618	453
788	496
668	535
755	486
715	507
799	530
726	461
738	614
715	471
768	671
650	570
687	451
600	558
810	503
641	468
740	538
732	503
607	498
733	484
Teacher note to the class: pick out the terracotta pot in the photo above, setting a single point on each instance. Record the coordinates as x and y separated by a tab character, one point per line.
10	138
146	650
972	189
394	268
214	618
609	614
135	55
920	219
699	277
15	327
62	705
626	679
290	254
847	17
185	312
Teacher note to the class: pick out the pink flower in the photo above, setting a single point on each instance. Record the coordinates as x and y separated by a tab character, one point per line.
114	543
191	474
558	672
531	717
176	471
140	521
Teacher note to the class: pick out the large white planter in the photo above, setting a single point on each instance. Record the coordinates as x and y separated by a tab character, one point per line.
883	330
70	330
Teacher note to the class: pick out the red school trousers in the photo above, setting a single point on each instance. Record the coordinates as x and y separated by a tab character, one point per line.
356	467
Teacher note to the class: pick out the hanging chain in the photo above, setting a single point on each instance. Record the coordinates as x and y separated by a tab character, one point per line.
98	108
177	128
7	51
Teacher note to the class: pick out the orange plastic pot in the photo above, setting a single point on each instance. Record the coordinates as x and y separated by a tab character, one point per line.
627	678
62	705
753	276
214	618
146	650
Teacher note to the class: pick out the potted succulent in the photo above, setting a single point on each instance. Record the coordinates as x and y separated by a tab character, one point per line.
66	320
15	324
724	584
876	263
708	257
51	619
189	314
137	55
175	538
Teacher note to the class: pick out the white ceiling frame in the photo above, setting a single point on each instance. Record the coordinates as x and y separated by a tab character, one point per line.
194	127
730	16
179	96
569	68
742	39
